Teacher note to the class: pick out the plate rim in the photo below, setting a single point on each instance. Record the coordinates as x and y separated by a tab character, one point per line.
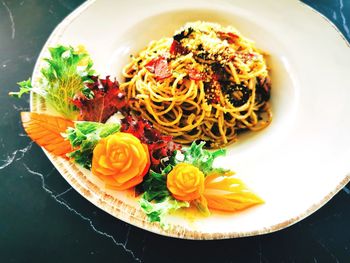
131	214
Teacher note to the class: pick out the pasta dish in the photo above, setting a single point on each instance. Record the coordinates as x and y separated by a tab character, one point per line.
206	83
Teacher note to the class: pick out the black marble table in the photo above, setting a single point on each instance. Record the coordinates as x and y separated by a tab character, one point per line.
42	219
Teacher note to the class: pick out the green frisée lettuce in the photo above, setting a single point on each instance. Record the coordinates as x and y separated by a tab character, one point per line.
156	200
199	157
85	136
26	87
157	211
155	186
62	78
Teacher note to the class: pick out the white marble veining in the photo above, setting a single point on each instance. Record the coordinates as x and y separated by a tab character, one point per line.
64	192
66	4
325	247
5	62
88	220
13	25
19	108
16	155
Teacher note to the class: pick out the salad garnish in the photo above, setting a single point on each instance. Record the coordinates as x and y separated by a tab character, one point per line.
129	153
103	99
84	137
65	74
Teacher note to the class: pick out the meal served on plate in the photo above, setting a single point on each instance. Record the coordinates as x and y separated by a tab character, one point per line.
200	88
207	82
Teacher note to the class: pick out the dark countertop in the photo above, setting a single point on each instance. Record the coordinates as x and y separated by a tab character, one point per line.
42	219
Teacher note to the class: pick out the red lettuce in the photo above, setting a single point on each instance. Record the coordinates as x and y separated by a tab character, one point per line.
100	100
160	146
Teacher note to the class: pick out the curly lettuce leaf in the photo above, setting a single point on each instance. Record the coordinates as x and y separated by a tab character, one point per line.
65	75
157	211
26	87
199	157
155	186
156	200
85	136
100	100
161	147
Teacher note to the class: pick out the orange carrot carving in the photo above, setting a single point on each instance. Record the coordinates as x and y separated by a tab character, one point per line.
227	193
46	131
120	160
186	182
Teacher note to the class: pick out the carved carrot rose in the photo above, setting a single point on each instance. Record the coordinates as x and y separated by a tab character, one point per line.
120	160
186	182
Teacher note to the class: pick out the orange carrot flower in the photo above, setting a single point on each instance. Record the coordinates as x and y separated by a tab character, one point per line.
120	160
186	182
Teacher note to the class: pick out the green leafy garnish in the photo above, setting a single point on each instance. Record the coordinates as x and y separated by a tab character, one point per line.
156	200
64	76
85	136
25	87
154	185
201	158
202	206
156	211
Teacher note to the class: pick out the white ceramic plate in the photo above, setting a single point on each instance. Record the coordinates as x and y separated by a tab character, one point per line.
296	165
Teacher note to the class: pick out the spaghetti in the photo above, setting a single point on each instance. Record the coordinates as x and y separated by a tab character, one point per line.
207	82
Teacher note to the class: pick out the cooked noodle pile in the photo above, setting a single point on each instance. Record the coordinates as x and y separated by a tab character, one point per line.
207	83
